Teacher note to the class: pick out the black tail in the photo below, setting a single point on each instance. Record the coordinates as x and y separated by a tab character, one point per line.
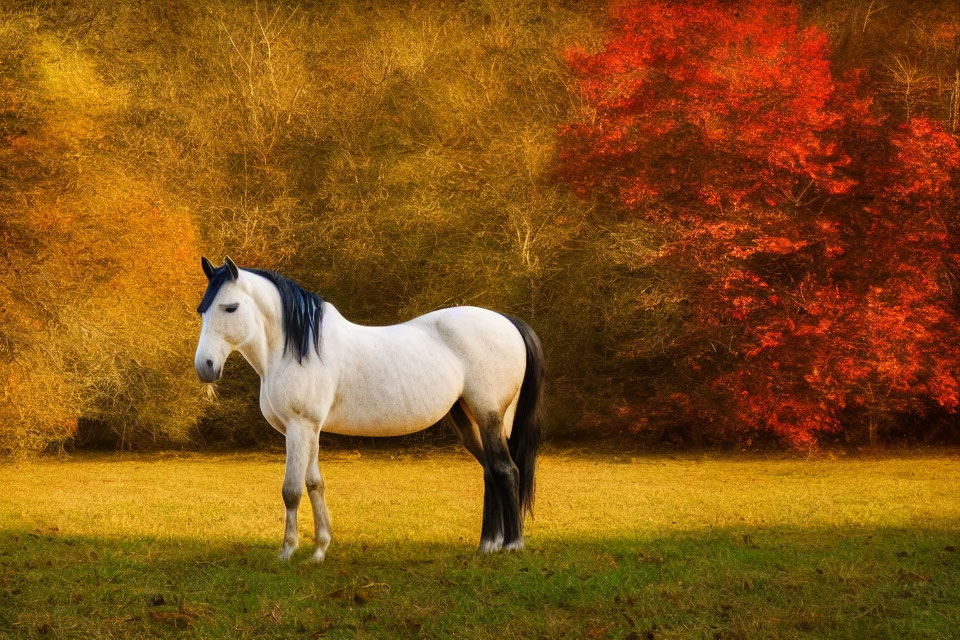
525	437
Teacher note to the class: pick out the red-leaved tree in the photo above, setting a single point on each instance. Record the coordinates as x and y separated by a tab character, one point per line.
812	237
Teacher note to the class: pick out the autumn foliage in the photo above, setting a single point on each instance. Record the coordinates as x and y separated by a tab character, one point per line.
812	237
96	269
729	222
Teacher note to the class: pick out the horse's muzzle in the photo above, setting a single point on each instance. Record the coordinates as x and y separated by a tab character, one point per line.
207	372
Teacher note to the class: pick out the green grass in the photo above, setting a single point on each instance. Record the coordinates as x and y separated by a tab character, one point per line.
622	547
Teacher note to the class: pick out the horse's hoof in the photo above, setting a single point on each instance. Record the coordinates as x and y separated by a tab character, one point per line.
516	545
490	546
286	552
317	557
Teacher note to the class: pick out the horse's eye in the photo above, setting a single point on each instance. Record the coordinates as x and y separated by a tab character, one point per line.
230	308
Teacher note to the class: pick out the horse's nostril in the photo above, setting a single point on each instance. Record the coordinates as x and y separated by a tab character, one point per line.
209	362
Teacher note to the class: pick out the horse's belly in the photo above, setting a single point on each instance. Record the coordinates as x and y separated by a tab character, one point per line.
381	422
376	430
392	408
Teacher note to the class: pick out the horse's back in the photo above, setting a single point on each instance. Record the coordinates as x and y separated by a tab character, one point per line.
473	332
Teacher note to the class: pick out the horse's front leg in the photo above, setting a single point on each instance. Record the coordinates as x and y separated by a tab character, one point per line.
321	519
298	458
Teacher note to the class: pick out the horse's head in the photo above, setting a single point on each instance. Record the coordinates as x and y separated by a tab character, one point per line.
229	318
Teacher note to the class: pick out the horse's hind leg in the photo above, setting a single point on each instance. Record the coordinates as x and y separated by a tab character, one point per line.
505	478
321	519
491	530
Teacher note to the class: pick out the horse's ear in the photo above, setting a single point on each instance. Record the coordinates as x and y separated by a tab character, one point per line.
207	267
234	272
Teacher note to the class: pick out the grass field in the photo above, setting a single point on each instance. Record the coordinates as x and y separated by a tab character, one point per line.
110	546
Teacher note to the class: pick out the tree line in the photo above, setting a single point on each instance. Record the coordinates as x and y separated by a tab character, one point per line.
731	223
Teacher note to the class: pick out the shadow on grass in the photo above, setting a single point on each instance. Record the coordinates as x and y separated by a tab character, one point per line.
837	582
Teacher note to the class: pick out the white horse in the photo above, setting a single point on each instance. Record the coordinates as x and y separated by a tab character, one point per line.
320	371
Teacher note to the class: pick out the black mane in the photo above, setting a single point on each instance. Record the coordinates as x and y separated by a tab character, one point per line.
302	310
302	314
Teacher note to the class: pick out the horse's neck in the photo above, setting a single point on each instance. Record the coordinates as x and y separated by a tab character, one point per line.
265	349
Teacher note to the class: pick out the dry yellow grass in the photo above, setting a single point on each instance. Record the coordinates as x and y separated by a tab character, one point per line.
376	494
127	546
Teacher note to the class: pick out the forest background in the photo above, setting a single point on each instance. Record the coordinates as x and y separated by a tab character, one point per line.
732	224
